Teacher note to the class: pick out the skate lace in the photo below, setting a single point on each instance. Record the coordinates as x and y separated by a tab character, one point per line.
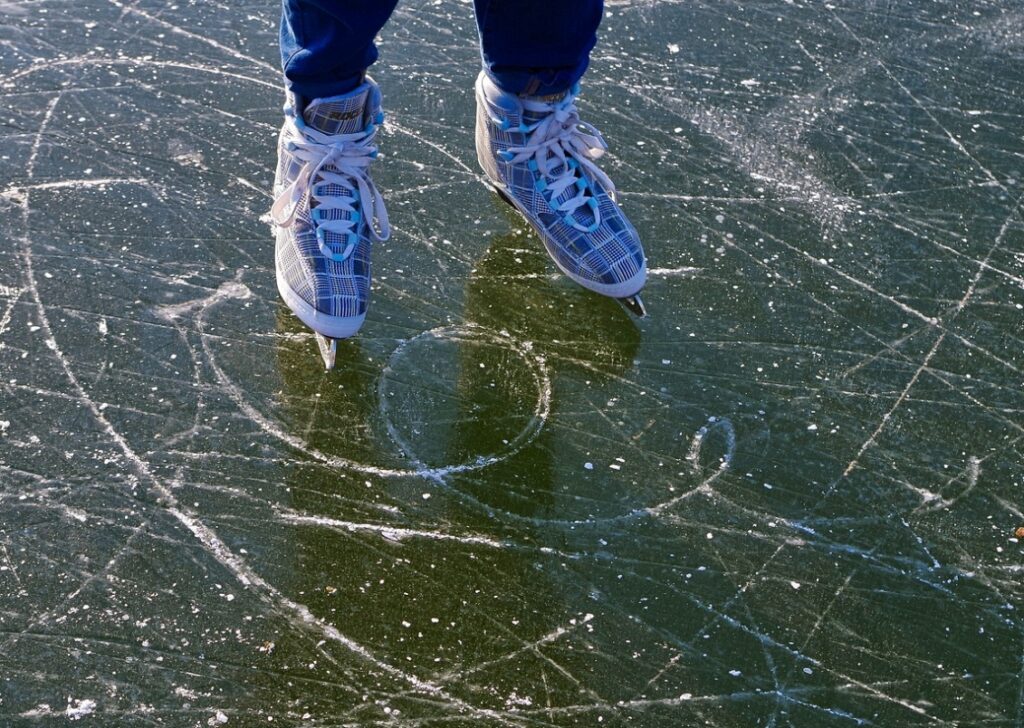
334	159
561	139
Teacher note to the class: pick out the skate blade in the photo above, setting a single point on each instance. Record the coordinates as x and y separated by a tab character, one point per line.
503	195
635	305
328	350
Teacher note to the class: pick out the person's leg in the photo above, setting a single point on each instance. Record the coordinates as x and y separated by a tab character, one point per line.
327	212
537	47
327	45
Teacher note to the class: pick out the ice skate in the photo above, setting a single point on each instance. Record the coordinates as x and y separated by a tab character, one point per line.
327	212
540	158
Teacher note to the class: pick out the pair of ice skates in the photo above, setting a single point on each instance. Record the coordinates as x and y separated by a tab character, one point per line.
536	153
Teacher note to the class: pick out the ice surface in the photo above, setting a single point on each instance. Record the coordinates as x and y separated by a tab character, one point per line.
787	497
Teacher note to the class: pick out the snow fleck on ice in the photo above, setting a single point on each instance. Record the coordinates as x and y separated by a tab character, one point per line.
80	708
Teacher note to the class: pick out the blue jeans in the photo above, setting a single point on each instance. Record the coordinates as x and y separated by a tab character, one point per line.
528	46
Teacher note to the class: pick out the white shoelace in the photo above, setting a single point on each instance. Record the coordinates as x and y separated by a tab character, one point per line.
351	155
561	138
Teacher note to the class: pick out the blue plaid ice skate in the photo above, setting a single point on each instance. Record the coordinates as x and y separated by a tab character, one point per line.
325	210
541	157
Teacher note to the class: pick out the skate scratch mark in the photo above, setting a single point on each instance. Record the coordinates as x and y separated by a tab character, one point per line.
1010	507
11	567
393	533
552	636
523	439
231	289
653	511
131	63
434	145
268	593
888	415
721	614
932	321
16	192
470	332
49	614
252	186
195	36
672	662
650	511
680	272
5	320
696	445
683	270
1019	280
237	290
937	501
961	304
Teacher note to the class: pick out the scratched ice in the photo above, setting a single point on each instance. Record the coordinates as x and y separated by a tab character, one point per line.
788	498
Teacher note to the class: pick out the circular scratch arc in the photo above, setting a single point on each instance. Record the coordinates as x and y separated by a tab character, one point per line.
206	536
235	289
525	437
471	332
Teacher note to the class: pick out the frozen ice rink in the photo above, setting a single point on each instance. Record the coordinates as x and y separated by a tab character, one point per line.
788	497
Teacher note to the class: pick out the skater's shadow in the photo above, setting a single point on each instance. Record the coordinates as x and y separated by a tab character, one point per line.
515	289
455	397
332	412
459	397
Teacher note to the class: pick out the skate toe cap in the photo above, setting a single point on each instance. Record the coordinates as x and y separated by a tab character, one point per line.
615	268
335	317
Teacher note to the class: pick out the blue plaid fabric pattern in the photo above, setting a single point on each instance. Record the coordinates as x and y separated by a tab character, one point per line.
330	273
594	244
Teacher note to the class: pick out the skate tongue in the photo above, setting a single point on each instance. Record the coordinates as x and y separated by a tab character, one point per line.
547	98
582	215
338	114
532	116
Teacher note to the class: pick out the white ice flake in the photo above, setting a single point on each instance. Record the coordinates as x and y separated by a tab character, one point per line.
79	708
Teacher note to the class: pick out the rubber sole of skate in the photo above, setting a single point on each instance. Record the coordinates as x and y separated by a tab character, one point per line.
634	304
337	327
